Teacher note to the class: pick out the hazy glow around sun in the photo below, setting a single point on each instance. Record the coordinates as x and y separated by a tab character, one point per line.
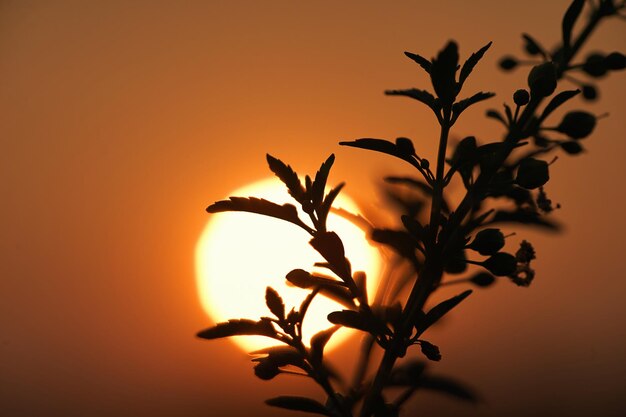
239	254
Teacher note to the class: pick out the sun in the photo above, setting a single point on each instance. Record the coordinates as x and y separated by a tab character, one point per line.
239	254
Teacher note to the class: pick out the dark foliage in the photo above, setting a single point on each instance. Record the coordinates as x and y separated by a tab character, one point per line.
505	184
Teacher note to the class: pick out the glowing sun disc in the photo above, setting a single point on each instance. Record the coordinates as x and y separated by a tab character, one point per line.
239	254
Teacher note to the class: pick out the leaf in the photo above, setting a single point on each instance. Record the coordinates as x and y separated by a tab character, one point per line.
414	227
280	356
471	62
307	405
238	327
556	102
287	212
328	202
448	386
303	279
430	351
569	19
524	217
460	106
533	45
413	182
443	72
380	145
329	245
423	62
274	303
276	357
400	241
439	311
494	114
422	96
319	340
358	320
319	184
330	288
288	177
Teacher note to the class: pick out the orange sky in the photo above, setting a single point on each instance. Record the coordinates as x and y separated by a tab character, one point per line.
120	121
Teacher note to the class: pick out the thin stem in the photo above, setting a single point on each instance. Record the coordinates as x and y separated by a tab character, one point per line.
435	212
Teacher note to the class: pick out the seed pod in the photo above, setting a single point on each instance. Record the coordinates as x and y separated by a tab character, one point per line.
266	369
488	241
577	124
571	147
508	63
425	164
482	279
590	92
615	61
532	173
542	79
405	146
595	65
501	264
521	97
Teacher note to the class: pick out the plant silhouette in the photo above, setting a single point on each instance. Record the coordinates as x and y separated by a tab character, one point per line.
503	185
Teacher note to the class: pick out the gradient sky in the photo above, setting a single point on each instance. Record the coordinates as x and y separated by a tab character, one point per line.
121	120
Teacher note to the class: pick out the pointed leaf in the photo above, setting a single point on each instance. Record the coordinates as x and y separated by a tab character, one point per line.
319	184
329	245
319	340
526	217
303	279
413	182
274	303
400	241
460	106
571	15
439	311
494	114
287	176
307	405
448	386
533	45
556	102
443	73
471	62
330	288
380	145
287	212
238	328
422	96
358	320
328	202
423	62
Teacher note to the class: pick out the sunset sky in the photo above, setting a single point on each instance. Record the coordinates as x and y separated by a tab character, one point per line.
120	121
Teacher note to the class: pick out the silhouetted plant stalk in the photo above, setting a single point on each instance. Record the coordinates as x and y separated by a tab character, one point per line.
508	170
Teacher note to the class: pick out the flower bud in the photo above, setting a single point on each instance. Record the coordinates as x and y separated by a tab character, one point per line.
521	97
577	124
615	61
482	279
595	65
488	241
532	173
501	264
571	147
590	92
508	63
542	79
